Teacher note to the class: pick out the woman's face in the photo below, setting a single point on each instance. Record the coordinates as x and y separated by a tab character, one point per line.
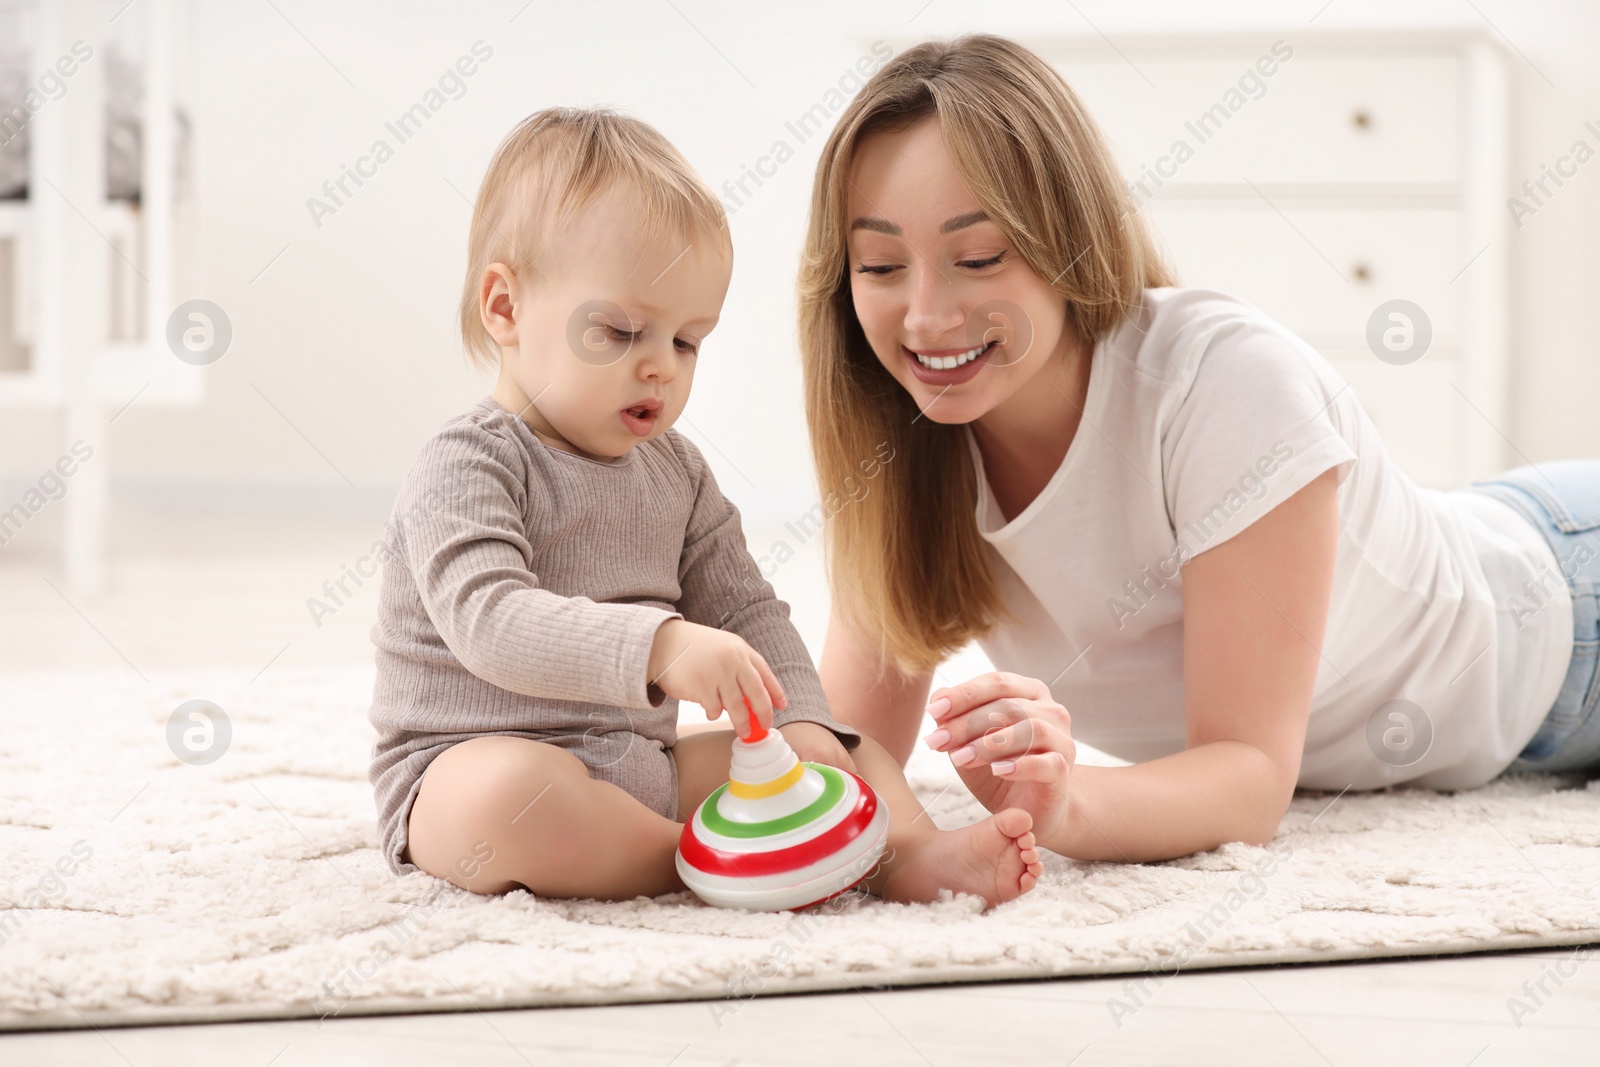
946	302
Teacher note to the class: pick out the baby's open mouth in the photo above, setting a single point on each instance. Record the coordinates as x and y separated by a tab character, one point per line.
640	418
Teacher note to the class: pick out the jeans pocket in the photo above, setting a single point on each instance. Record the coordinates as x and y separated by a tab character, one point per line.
1568	490
1569	737
1579	689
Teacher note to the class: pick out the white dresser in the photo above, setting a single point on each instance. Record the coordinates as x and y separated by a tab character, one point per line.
1365	168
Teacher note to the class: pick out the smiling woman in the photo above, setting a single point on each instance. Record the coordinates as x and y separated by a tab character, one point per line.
979	291
959	285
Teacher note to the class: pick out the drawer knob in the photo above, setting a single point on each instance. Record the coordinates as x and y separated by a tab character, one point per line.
1361	119
1361	272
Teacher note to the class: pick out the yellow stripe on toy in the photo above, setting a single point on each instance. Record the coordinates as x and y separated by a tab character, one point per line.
762	790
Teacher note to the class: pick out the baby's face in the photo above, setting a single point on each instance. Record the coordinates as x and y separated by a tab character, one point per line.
609	332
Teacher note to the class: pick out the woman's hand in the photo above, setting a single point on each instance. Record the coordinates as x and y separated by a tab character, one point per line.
717	670
1010	742
815	743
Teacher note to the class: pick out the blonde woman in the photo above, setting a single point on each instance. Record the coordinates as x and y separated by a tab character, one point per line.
1164	517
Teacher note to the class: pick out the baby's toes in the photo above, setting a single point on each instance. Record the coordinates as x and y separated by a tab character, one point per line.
1014	823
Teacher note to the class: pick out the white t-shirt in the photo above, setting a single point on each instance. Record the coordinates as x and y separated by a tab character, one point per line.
1202	415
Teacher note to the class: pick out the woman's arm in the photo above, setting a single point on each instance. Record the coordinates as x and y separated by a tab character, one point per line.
863	692
1255	608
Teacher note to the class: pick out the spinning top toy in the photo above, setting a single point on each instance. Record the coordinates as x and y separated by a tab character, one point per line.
781	834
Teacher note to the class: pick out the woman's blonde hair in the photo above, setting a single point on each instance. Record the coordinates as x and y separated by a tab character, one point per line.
906	562
552	165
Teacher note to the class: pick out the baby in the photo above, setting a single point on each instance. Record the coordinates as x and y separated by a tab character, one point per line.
562	568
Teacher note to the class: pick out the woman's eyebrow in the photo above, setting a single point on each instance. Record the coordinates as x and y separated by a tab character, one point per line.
876	225
951	225
961	222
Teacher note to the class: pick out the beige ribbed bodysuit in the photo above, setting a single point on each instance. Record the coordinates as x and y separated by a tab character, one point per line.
522	589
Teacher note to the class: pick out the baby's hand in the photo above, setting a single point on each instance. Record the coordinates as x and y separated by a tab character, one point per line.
815	743
717	670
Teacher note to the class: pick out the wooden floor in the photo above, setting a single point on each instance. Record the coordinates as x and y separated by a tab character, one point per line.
1439	1012
219	591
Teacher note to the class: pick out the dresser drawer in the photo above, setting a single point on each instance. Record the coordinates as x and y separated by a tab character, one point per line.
1250	250
1320	118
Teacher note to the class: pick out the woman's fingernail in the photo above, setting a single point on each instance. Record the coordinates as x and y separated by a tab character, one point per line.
939	707
963	756
1004	766
937	739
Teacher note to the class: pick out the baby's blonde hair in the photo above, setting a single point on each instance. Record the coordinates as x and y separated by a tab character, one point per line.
552	165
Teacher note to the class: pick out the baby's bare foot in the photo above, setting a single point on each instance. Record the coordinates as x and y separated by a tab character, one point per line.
995	859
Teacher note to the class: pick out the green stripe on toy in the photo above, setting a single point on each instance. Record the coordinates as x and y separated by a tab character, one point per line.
832	793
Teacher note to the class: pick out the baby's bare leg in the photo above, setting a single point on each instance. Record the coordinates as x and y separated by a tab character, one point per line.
996	858
499	812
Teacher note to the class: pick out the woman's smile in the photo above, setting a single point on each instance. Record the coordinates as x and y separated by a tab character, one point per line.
948	366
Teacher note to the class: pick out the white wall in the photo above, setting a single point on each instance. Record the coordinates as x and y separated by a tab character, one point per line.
350	329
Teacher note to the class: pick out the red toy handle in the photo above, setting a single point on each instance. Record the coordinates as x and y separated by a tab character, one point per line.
757	731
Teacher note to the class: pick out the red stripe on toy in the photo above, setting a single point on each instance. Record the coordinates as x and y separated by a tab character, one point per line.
703	857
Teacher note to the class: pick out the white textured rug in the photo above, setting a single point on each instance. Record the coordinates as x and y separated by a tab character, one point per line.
144	889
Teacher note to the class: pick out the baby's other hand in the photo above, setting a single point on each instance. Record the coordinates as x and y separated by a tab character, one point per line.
815	743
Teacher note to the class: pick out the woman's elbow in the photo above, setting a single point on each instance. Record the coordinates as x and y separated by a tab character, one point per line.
1269	814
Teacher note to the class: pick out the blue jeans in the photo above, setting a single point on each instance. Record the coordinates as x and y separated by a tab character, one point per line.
1562	500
